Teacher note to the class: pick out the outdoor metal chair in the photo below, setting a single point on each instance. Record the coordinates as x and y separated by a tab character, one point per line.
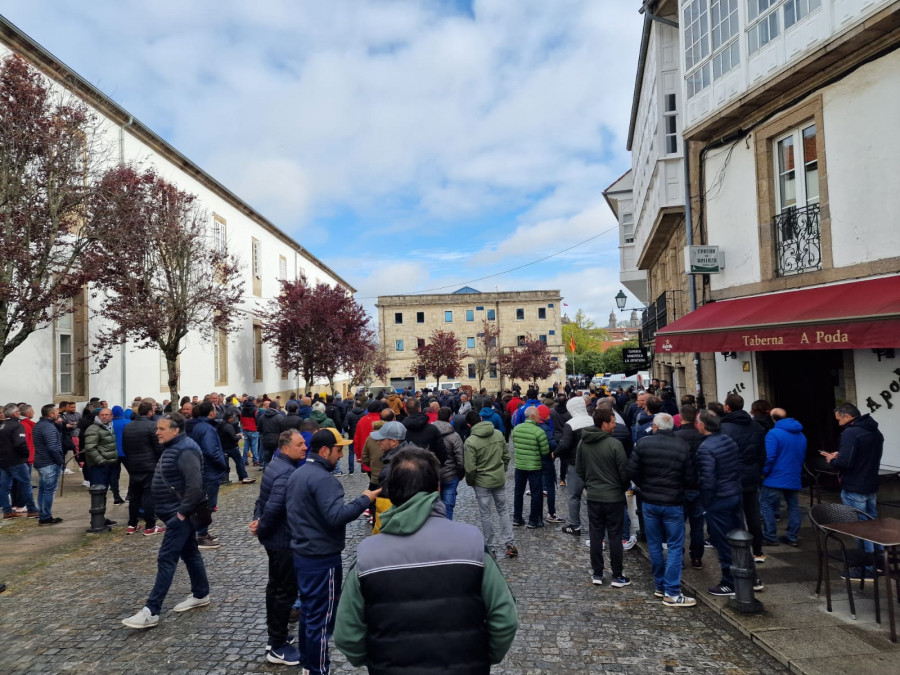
824	514
821	476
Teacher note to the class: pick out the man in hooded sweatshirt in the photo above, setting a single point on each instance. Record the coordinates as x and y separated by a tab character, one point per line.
489	414
421	433
268	422
559	415
423	596
565	450
785	453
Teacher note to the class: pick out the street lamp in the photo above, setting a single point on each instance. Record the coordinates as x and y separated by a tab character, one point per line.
621	299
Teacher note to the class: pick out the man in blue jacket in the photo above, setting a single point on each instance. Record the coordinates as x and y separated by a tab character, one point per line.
785	452
271	528
49	461
318	517
202	430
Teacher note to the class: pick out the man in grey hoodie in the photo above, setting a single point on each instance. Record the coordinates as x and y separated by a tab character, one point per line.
565	449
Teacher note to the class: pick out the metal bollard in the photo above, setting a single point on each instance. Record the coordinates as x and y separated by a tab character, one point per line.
98	509
744	572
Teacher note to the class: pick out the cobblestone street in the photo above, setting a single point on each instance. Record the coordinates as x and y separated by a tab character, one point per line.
65	615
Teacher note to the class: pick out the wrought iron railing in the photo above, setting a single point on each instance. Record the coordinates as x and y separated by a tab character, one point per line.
654	317
798	241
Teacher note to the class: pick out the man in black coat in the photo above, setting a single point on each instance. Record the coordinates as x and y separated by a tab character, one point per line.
751	441
693	508
142	451
421	433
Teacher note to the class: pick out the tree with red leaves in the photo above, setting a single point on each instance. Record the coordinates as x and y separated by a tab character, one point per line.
531	362
49	158
487	349
381	368
441	356
317	331
162	273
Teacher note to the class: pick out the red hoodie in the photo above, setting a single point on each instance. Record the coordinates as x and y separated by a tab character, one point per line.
29	439
363	429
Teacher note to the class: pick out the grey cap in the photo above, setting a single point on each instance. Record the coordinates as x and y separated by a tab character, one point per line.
392	430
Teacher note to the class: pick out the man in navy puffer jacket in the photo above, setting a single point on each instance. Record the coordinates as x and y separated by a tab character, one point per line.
785	452
718	475
202	431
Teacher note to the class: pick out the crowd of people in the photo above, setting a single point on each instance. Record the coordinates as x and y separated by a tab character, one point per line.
636	458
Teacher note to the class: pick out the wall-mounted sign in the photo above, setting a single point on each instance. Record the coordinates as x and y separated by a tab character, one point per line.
703	259
634	356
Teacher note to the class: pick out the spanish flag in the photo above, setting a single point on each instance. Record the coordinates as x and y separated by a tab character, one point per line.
572	344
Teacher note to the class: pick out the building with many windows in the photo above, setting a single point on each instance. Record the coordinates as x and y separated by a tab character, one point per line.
790	134
407	321
55	362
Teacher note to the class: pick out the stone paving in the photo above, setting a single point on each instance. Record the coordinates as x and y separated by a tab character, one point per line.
65	615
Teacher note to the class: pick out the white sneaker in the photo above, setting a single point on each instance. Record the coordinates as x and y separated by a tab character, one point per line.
143	619
629	543
191	603
68	471
86	483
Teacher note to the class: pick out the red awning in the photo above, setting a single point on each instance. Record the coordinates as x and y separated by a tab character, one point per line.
853	315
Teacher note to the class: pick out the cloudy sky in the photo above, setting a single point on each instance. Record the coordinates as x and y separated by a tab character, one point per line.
410	145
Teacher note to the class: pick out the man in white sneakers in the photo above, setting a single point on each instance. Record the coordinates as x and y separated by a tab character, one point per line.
177	491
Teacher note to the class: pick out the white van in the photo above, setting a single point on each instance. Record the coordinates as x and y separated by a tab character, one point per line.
445	386
620	380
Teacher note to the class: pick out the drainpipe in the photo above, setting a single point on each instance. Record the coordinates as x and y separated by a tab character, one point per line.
124	346
689	238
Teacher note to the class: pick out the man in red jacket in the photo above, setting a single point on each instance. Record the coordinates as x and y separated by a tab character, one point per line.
364	428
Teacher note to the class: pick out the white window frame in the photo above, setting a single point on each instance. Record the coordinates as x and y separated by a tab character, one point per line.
708	55
256	254
801	10
628	228
65	360
802	199
220	234
282	268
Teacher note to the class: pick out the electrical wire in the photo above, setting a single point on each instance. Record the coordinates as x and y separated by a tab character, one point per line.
458	284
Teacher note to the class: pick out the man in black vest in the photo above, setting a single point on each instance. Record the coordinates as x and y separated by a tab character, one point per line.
423	594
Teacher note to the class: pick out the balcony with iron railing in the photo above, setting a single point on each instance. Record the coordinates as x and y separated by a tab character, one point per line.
798	241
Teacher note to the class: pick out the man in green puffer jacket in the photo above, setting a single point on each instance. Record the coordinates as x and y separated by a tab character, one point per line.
100	450
529	445
601	463
486	459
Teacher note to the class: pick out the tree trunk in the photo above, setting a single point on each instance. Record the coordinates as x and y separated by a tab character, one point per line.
172	369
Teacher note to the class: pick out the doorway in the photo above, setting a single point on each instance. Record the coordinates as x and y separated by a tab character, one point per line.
807	384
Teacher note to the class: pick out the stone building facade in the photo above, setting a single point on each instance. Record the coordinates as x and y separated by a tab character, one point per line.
406	320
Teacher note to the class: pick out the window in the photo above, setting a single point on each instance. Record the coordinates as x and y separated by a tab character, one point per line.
542	312
550	304
256	266
257	352
219	239
520	314
480	308
797	10
398	345
448	316
711	29
420	317
398	317
552	332
420	342
671	130
492	371
797	152
220	357
491	315
470	315
470	343
471	369
520	340
542	338
766	28
282	268
65	349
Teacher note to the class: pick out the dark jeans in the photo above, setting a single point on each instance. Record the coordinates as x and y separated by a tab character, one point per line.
18	479
100	475
723	516
235	454
115	473
281	591
533	480
608	517
548	472
179	541
693	514
320	592
211	488
267	454
754	522
563	468
140	498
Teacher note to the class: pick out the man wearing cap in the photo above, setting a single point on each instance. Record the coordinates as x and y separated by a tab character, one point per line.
388	437
318	517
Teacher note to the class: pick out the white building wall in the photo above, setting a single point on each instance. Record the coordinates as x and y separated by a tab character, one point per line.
863	161
28	374
878	382
737	375
731	214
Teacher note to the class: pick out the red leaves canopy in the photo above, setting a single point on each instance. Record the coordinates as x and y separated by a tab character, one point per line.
161	271
317	331
48	155
441	356
530	362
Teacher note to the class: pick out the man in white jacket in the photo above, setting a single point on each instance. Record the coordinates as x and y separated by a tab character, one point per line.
571	437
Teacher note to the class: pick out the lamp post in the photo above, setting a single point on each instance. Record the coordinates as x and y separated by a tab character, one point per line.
621	299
